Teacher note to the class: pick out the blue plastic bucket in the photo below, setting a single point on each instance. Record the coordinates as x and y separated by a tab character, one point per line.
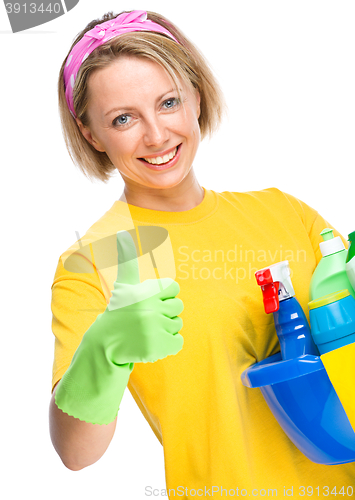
305	404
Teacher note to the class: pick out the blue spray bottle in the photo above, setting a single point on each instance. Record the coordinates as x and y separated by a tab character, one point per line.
291	324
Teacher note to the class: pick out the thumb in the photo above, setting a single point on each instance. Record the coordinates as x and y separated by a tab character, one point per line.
128	270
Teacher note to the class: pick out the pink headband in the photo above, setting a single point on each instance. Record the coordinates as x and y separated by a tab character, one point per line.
124	23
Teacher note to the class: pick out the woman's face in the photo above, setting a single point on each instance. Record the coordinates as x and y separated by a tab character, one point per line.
137	119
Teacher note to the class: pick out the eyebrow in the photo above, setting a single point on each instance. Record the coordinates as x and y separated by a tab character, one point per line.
128	108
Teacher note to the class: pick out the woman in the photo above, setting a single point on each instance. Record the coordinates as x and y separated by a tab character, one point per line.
140	102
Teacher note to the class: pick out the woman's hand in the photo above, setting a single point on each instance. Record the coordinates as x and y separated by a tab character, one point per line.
141	322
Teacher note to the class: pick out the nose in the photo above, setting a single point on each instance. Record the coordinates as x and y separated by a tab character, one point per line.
156	132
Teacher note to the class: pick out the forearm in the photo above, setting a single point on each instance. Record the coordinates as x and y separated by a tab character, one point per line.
79	444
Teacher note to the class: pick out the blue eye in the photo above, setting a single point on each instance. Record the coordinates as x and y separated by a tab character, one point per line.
121	120
170	103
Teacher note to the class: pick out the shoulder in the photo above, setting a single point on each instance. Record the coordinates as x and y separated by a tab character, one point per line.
269	199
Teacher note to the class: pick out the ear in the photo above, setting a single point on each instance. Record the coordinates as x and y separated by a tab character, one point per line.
88	136
198	100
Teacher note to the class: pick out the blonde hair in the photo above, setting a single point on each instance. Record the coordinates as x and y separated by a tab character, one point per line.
182	61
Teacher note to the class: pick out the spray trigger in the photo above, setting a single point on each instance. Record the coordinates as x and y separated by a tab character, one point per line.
270	290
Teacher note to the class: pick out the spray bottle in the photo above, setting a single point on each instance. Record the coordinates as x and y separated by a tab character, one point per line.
291	324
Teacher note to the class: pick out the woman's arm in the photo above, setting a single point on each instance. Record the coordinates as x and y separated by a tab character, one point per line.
79	444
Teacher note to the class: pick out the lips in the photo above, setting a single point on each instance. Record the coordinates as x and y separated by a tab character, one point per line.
158	160
163	160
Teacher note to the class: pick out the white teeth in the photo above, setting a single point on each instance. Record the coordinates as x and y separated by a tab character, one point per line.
159	160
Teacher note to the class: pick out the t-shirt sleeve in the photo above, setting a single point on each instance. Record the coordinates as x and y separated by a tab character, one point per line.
313	222
77	300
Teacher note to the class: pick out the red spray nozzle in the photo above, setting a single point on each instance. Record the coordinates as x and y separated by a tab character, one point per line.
270	290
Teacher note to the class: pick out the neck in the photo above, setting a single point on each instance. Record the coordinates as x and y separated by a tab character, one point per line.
184	196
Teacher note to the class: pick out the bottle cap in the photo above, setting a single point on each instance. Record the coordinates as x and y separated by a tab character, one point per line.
328	299
330	244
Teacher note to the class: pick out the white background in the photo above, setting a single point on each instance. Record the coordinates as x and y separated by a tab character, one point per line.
288	75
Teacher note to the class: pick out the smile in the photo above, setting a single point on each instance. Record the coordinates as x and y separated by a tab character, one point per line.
159	160
162	162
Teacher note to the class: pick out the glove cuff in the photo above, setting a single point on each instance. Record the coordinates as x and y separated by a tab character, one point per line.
92	388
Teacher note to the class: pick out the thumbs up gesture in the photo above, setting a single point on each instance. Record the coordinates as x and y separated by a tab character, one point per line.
141	322
139	325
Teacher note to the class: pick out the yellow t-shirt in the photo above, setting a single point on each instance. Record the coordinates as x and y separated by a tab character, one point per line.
215	431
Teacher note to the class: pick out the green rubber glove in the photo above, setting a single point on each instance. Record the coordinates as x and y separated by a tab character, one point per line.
140	324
